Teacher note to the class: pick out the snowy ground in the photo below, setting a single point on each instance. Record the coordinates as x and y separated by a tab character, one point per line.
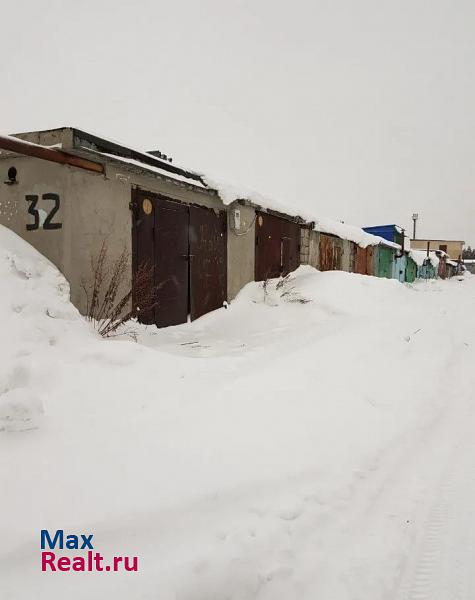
274	450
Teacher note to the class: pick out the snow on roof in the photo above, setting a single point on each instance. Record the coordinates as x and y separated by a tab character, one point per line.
352	233
452	262
99	145
76	130
138	151
420	256
153	169
434	259
230	193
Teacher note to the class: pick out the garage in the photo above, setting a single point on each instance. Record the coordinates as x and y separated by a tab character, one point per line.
277	246
182	248
330	252
361	260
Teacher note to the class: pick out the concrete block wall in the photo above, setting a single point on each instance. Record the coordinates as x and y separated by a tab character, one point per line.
313	248
347	258
304	245
93	209
241	247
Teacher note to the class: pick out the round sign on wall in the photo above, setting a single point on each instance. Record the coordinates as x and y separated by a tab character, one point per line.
147	206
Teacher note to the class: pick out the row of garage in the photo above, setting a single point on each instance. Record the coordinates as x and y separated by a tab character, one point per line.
191	263
329	252
196	250
184	248
382	259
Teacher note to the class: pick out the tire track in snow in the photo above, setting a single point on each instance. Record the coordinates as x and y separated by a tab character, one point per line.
444	567
423	584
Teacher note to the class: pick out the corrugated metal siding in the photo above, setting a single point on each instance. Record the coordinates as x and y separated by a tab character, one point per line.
370	260
427	271
442	268
388	232
330	253
384	262
361	260
411	270
348	256
399	268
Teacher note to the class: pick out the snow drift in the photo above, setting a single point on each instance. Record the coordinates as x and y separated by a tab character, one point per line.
248	454
35	307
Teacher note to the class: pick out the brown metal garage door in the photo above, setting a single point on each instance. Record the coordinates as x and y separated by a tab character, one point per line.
208	268
361	260
171	262
185	248
160	243
277	246
330	252
290	247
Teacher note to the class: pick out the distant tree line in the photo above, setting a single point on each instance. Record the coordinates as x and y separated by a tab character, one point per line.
468	253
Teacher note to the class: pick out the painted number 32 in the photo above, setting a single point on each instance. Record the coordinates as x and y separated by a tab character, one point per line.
40	216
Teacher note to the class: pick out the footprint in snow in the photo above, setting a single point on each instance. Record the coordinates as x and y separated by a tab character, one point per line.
290	513
20	410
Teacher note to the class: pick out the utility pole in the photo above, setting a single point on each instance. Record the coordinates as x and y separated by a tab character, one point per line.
415	216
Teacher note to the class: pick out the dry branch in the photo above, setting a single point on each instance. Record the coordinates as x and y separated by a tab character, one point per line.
105	307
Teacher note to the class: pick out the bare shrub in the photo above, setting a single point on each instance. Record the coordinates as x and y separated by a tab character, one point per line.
285	289
106	308
288	291
265	289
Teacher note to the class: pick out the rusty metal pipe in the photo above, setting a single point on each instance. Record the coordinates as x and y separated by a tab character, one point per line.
58	156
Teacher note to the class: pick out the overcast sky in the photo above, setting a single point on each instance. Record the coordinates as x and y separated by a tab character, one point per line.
360	110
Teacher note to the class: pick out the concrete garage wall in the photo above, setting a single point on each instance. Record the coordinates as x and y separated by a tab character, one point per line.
347	257
314	249
36	178
304	245
61	138
93	208
88	213
96	207
241	248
